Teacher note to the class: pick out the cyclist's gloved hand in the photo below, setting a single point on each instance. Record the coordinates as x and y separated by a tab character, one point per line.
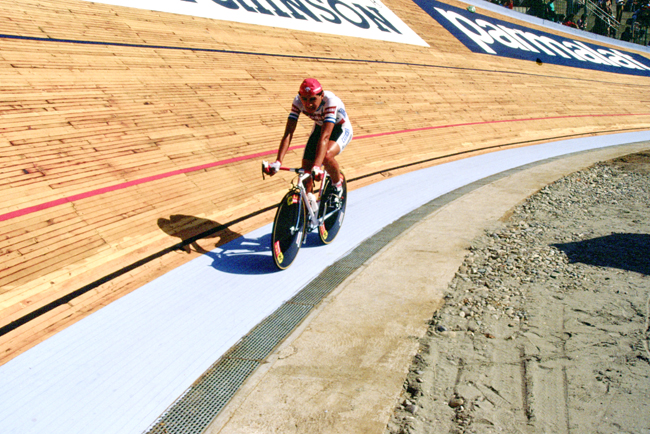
274	167
317	173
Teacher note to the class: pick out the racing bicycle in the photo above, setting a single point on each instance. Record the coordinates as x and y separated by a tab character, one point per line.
297	215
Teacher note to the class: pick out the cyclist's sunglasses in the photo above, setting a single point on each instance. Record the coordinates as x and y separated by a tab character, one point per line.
310	99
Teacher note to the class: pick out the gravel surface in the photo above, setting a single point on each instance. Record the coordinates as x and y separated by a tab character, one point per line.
545	326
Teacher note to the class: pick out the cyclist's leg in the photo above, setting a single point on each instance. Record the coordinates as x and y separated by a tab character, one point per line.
307	165
330	163
310	154
339	139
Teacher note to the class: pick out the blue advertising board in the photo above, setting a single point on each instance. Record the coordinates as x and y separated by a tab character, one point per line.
483	34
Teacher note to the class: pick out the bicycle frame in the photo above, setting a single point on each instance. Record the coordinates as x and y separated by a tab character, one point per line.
296	216
313	219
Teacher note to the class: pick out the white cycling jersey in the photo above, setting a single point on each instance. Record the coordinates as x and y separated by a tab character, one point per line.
331	110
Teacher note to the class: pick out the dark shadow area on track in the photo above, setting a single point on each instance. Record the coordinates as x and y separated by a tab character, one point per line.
312	240
244	255
190	229
629	252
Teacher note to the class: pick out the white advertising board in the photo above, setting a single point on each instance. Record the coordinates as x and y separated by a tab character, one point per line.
369	19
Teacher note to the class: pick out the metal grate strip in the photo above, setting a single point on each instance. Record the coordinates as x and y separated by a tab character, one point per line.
258	344
201	403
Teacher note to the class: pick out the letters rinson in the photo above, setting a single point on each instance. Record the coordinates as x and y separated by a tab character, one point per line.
317	10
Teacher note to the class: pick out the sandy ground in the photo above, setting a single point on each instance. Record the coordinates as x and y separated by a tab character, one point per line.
545	326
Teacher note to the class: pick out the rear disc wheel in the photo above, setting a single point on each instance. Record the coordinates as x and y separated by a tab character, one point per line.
335	210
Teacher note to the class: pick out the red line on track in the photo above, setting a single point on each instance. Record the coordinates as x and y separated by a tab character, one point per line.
46	205
76	197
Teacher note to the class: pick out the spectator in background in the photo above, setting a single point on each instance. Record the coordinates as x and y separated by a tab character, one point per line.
609	22
600	27
569	22
509	4
550	11
582	22
620	4
608	8
635	18
643	20
537	8
626	35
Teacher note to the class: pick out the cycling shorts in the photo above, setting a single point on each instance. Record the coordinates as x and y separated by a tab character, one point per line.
341	134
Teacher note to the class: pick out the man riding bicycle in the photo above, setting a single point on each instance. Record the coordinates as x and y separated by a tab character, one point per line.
331	133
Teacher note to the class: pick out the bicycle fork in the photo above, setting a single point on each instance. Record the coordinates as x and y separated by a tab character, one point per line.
312	210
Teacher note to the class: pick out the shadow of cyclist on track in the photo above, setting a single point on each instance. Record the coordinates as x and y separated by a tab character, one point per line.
234	253
312	240
244	255
194	229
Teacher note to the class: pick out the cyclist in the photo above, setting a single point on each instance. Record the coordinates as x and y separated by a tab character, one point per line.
331	133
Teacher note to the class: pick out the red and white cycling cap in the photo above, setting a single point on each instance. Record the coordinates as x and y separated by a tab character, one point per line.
310	87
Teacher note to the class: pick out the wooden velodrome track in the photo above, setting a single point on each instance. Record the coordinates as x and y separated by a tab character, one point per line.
116	153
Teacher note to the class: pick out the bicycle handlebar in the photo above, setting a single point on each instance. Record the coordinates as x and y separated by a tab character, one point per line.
265	170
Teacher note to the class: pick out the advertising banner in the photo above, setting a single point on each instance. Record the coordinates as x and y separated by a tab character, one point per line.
369	19
483	34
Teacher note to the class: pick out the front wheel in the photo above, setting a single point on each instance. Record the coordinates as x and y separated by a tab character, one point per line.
288	230
333	210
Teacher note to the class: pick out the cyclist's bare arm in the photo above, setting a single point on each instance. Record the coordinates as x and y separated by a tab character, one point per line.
289	129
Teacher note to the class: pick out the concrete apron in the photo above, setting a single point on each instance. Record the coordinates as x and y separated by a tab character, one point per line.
342	369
